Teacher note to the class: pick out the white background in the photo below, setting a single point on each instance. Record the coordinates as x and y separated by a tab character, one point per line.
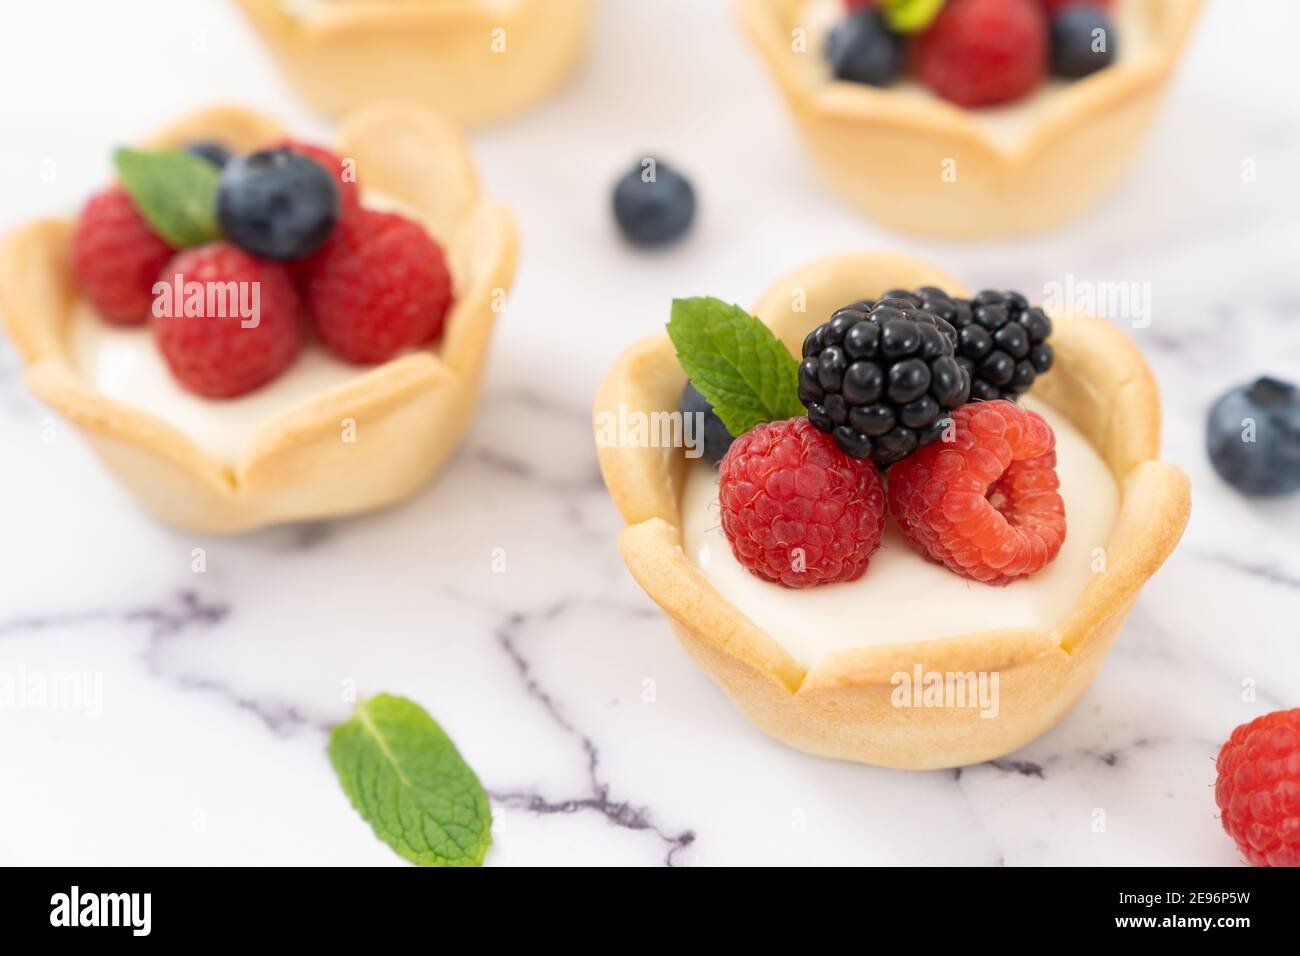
210	748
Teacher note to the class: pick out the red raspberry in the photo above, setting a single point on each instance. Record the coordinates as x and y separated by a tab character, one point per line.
1258	790
796	509
116	257
1053	7
349	189
983	52
377	286
985	503
212	353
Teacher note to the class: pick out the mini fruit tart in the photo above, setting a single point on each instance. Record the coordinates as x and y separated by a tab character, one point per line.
919	541
971	118
473	60
251	330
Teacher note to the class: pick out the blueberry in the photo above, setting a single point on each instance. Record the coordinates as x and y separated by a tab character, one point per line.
653	204
214	153
716	437
862	50
1083	41
1253	437
277	204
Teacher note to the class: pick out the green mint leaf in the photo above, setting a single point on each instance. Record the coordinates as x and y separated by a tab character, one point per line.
746	373
174	191
406	778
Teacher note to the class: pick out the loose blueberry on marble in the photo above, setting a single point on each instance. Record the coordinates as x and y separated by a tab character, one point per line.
716	437
1253	437
277	203
1083	41
862	49
214	153
654	204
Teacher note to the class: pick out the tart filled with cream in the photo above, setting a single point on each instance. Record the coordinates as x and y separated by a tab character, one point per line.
971	118
476	61
890	431
252	329
944	491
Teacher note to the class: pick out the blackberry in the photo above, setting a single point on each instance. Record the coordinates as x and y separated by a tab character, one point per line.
1001	340
879	377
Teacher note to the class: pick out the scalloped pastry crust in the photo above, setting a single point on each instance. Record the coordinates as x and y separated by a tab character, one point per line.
841	706
410	413
924	165
445	54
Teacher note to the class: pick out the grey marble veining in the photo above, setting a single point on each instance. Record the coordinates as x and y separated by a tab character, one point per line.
598	739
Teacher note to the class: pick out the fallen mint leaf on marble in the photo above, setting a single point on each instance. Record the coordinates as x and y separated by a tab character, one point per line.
174	191
406	778
744	371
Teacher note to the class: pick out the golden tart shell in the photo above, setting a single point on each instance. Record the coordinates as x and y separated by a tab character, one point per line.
842	705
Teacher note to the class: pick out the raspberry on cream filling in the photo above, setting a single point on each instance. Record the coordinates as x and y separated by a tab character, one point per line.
904	597
985	504
123	363
786	487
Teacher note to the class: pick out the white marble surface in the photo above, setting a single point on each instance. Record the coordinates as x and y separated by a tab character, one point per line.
218	687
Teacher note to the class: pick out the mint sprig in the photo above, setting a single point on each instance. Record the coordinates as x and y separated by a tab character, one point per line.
406	778
175	191
746	373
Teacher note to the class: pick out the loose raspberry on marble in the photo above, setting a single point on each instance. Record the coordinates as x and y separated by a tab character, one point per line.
797	510
116	257
220	352
985	503
983	52
1258	788
378	285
